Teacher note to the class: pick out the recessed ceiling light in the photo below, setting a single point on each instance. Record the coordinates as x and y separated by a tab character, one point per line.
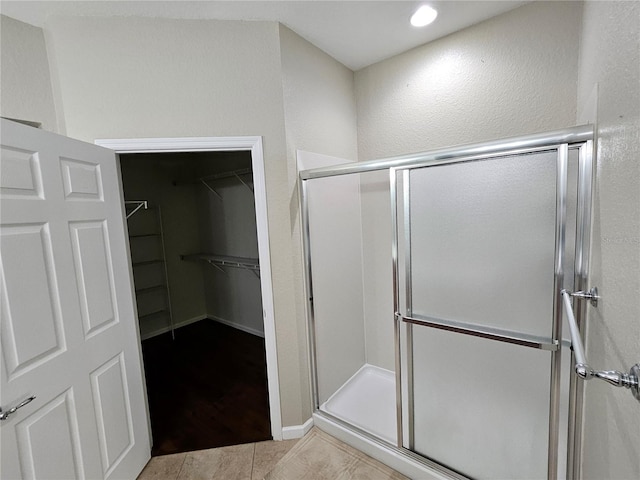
423	16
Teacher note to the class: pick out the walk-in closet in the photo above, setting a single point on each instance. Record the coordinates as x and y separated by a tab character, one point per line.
194	253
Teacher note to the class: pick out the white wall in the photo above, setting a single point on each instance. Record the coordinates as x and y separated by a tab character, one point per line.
141	77
25	83
610	58
511	75
320	117
228	228
320	109
377	235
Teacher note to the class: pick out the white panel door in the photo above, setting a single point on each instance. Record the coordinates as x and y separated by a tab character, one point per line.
68	330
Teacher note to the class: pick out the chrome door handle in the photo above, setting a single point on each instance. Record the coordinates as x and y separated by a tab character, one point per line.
4	415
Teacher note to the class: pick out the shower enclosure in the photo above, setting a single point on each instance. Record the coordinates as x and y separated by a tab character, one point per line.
434	304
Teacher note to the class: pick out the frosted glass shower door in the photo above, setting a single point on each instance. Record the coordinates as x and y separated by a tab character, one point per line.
478	253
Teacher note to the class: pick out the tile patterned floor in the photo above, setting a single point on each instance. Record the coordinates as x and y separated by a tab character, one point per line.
251	461
317	456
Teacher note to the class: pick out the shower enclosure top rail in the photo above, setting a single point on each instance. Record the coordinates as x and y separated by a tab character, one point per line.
584	371
569	136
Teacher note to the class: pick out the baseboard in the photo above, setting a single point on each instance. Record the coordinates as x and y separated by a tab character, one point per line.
250	330
183	323
297	431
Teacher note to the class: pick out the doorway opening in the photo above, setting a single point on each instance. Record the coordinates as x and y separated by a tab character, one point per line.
212	168
194	251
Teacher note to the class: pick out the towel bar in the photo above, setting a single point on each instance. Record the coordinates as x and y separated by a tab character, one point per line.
582	369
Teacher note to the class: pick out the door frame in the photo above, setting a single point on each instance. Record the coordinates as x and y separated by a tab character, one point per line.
252	144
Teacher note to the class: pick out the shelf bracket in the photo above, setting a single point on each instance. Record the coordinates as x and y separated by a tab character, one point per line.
204	182
243	182
138	205
213	264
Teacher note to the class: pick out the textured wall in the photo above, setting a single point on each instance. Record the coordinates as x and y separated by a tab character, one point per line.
513	74
139	77
25	84
610	58
320	117
319	103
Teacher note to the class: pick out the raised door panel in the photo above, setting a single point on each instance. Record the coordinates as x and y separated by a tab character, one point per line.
32	331
82	180
94	275
21	176
113	414
67	299
49	441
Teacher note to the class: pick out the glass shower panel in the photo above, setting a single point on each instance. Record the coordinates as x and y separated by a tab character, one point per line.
481	407
481	252
482	242
335	246
350	230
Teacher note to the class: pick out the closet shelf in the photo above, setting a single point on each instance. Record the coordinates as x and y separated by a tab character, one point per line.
220	176
153	314
156	288
238	174
148	262
141	235
219	261
152	294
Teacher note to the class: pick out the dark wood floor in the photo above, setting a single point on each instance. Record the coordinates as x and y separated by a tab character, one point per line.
207	388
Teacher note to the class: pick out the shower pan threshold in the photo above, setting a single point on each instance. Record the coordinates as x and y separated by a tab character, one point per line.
368	401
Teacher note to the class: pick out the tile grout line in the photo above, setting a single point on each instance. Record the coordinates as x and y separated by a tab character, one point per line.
182	465
253	461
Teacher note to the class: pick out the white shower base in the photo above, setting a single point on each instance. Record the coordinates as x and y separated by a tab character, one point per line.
368	401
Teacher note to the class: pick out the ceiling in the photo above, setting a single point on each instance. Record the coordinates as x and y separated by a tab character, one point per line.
356	33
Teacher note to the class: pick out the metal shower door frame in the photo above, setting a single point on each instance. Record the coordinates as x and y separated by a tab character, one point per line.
580	138
400	188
